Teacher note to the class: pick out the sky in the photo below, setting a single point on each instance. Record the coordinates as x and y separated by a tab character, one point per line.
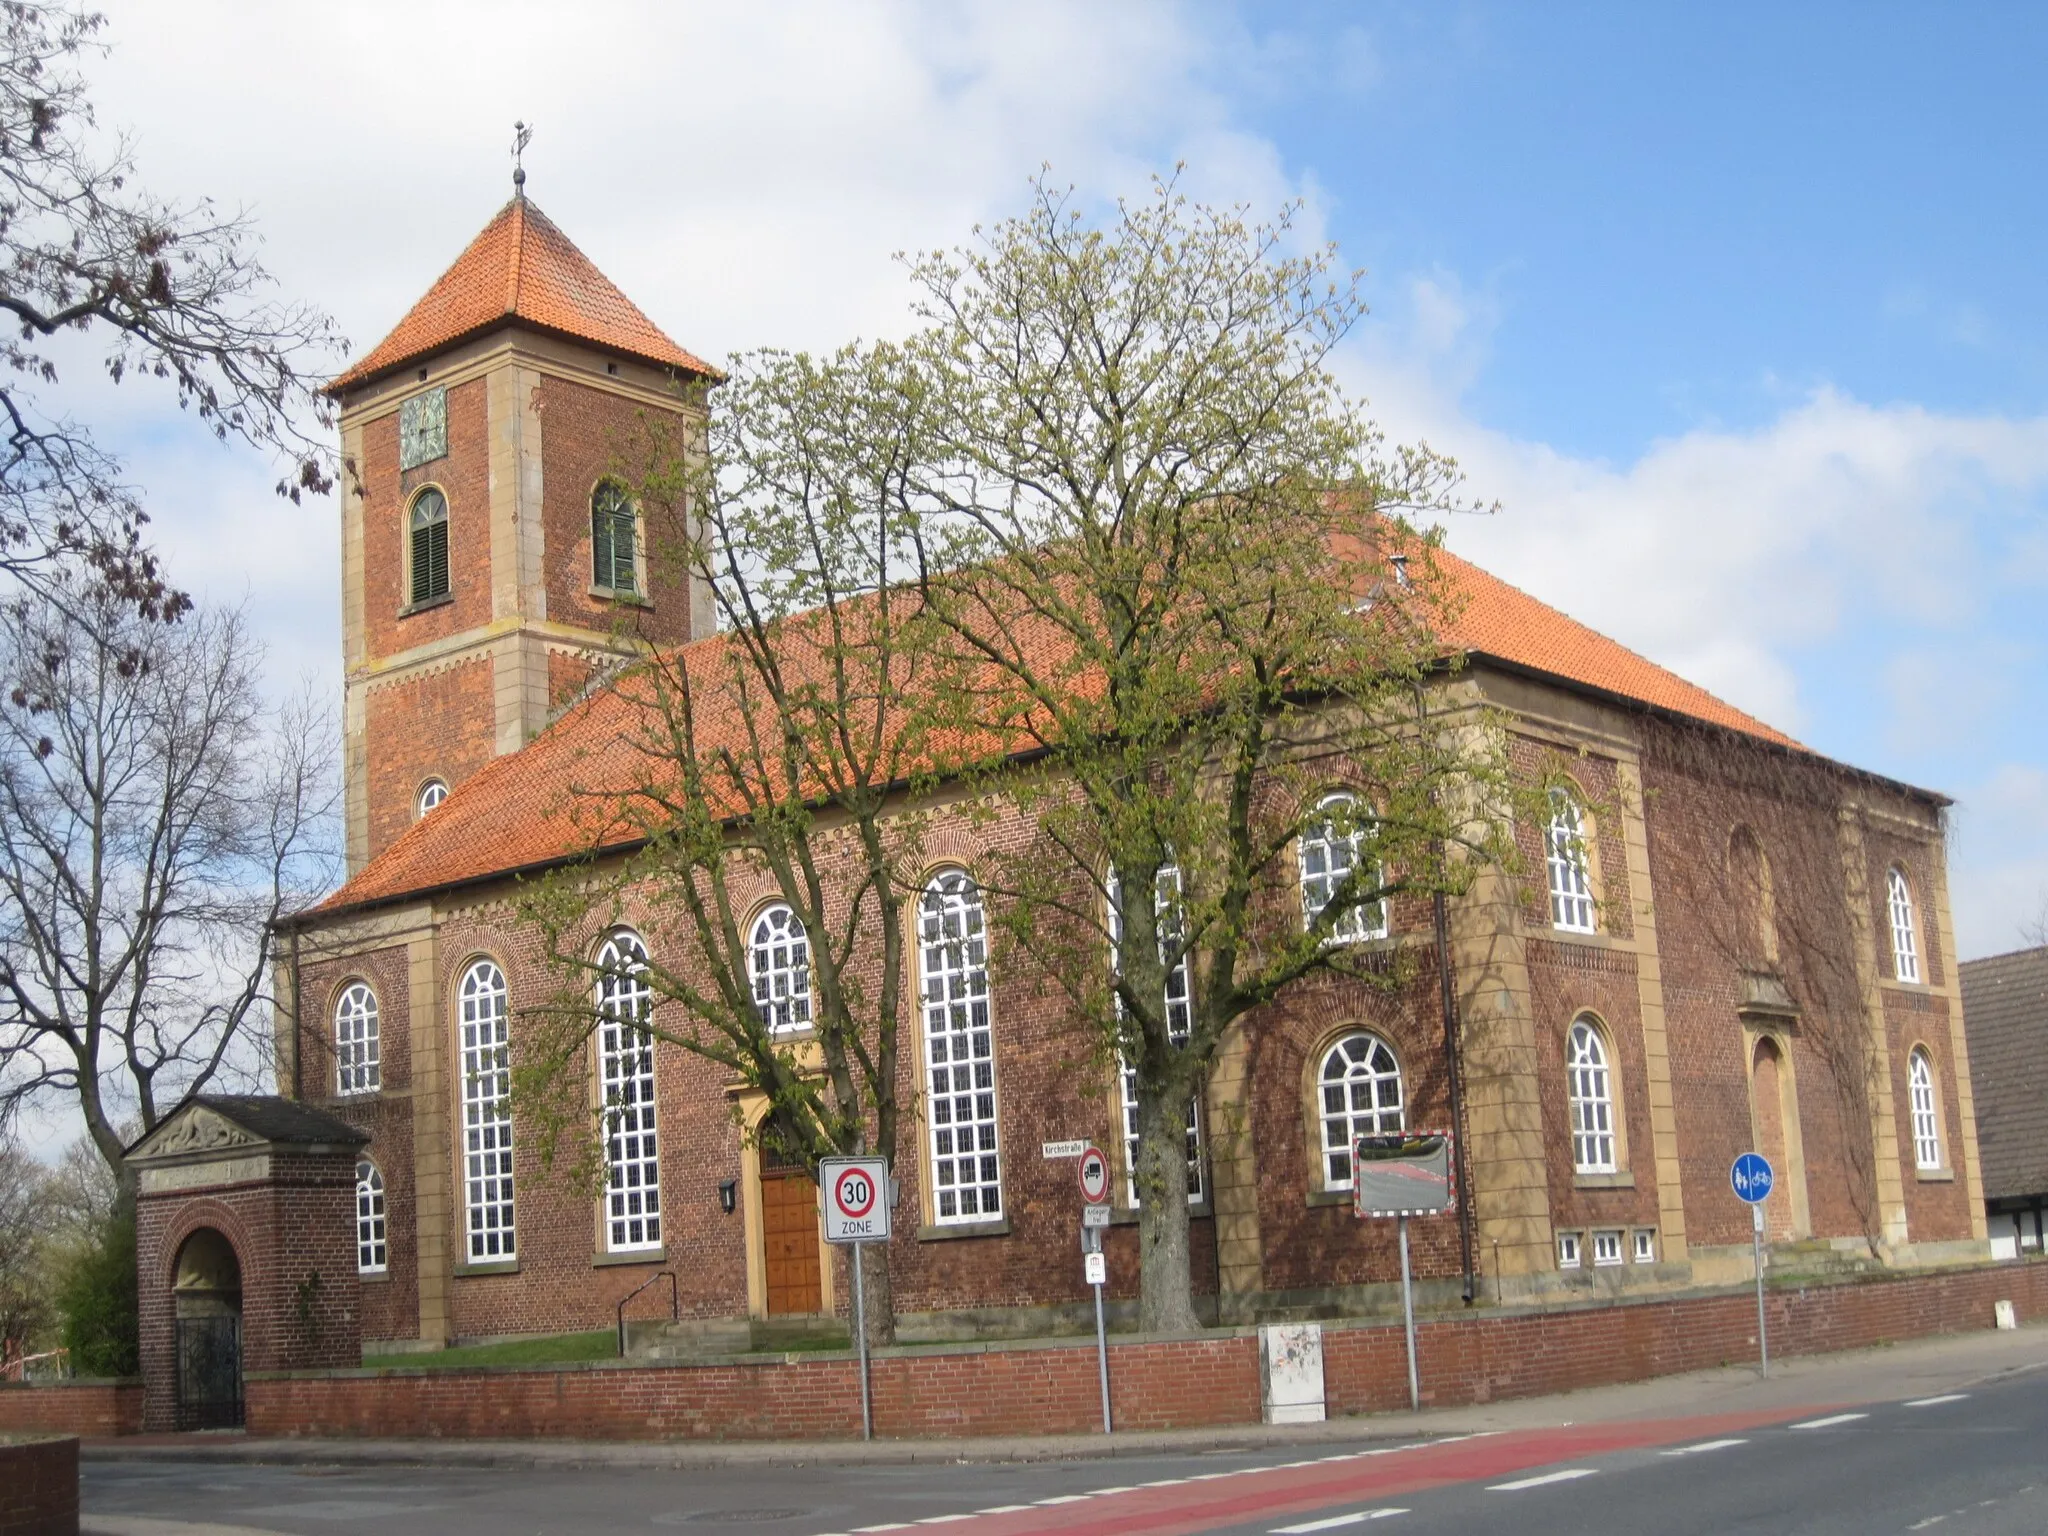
1735	309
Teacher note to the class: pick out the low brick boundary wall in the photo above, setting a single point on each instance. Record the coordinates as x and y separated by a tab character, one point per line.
1049	1386
39	1487
1012	1389
1503	1355
91	1408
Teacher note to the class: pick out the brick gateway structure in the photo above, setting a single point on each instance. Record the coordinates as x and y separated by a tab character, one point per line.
1749	946
244	1253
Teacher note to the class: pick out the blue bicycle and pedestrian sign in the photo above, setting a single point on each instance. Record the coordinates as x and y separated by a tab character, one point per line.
1751	1177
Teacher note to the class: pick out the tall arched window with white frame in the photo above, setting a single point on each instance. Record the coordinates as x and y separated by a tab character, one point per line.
357	1068
1905	945
779	957
1335	844
487	1114
1592	1100
373	1256
1179	1023
632	1189
1359	1085
959	1044
1926	1111
1571	886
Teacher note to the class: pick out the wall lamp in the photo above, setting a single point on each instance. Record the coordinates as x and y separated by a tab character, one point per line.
729	1196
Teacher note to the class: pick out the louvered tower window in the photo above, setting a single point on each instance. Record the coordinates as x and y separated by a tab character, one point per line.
612	538
429	546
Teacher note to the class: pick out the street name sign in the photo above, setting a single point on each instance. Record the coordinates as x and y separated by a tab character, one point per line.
1053	1151
856	1198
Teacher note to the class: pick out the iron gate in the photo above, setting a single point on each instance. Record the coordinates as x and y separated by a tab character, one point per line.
209	1373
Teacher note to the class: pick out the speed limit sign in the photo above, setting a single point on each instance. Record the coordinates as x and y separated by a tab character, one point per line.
856	1198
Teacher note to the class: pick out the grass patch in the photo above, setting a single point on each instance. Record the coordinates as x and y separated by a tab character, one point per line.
560	1349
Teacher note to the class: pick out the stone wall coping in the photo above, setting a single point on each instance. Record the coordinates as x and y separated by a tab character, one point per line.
71	1381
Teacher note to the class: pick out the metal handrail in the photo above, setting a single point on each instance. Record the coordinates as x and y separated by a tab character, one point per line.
675	1311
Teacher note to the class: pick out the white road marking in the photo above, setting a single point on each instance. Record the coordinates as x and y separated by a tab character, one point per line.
1167	1482
1567	1475
1102	1493
894	1525
1931	1402
943	1519
1334	1521
1003	1509
1063	1498
1921	1525
1832	1420
1704	1445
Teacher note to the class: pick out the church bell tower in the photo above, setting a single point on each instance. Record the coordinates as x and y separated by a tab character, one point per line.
493	549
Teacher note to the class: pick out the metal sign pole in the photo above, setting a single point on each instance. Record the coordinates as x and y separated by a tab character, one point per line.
1408	1318
1091	1243
860	1328
1756	1246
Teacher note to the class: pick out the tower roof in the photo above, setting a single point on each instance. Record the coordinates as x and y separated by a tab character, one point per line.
521	267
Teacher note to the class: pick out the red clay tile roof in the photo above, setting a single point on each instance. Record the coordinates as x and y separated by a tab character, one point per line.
521	267
519	812
1507	623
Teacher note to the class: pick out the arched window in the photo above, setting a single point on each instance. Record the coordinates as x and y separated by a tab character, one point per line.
1571	889
1752	922
959	1048
1333	846
432	793
356	1068
1905	949
372	1257
1926	1114
1592	1100
487	1113
1360	1084
429	545
613	536
1179	1021
632	1192
779	954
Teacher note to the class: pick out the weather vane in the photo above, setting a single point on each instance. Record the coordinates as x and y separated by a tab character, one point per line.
522	135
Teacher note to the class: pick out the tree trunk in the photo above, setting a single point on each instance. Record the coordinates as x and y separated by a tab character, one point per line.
1166	1295
879	1293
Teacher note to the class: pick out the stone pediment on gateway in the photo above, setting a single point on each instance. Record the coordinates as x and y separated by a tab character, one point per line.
224	1125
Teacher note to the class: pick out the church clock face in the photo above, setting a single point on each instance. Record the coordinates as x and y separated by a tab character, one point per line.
423	428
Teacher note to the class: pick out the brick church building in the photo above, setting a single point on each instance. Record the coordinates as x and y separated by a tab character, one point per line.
1744	946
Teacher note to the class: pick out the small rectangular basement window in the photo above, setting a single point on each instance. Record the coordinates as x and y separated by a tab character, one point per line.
1606	1249
1567	1250
1646	1245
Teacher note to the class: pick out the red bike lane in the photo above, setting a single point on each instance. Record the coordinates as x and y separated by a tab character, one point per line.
1214	1500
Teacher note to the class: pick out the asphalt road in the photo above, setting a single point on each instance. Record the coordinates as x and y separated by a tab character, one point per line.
1964	1463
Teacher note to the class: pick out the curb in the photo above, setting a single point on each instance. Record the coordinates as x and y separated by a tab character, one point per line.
232	1448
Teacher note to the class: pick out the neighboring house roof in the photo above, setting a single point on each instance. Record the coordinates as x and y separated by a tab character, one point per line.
521	268
516	813
2005	1017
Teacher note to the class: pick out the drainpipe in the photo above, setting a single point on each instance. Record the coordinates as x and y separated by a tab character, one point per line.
1447	999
